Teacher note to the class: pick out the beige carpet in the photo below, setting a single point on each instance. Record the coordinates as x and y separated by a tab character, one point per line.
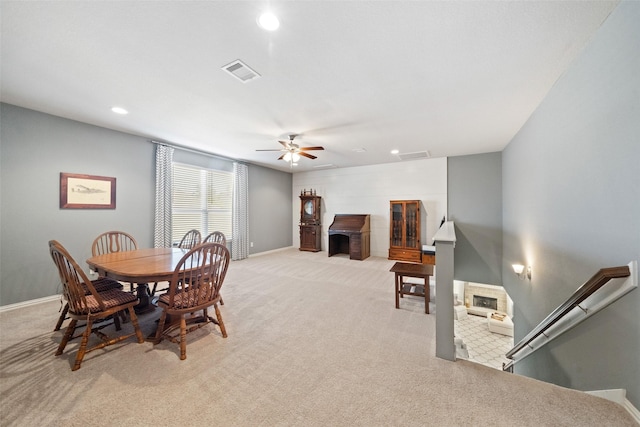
313	341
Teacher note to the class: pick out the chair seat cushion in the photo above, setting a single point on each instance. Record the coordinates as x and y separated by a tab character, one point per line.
185	300
102	284
111	298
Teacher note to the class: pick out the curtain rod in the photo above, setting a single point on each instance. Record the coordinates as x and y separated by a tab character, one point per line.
196	151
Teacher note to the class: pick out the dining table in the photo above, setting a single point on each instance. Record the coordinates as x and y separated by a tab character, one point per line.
140	266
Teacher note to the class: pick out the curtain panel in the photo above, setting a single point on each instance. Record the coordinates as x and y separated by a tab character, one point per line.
240	212
162	223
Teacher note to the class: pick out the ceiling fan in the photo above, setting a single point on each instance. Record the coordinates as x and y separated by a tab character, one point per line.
293	151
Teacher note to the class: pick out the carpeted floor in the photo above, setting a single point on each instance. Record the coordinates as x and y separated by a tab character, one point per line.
313	341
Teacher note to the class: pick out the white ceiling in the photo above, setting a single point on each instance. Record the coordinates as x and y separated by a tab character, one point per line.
448	77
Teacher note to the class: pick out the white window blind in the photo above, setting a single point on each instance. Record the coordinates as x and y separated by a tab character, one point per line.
201	199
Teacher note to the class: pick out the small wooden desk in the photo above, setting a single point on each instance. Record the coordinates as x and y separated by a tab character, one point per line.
405	269
141	266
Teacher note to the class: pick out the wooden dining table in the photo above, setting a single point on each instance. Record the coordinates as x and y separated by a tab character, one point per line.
140	266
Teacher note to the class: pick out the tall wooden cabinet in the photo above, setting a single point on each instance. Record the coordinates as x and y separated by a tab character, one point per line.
310	223
405	230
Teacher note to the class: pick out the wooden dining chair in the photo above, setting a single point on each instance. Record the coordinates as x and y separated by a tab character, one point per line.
92	307
114	241
216	237
190	240
195	285
101	284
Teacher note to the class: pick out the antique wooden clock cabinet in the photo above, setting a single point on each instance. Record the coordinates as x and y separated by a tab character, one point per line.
310	223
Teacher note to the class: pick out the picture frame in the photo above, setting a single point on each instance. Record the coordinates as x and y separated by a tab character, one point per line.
79	191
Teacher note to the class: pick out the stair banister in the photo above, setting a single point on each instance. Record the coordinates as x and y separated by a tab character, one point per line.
587	300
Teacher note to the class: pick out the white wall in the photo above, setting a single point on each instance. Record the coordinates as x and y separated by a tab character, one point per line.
368	190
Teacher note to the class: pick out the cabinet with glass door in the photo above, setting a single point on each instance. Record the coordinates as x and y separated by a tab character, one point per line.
404	234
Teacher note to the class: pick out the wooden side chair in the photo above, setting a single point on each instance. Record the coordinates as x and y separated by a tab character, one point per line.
195	285
190	240
216	237
92	307
101	284
114	241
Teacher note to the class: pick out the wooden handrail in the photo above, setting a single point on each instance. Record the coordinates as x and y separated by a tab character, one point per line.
598	280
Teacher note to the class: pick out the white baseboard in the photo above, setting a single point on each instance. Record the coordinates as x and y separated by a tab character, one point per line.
271	251
618	395
23	304
632	410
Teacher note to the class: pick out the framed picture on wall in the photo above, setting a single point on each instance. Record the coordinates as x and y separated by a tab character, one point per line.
79	191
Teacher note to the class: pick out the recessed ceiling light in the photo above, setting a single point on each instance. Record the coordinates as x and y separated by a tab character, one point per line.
119	110
395	151
268	21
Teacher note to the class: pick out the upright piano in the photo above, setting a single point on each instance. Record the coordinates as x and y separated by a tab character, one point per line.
350	234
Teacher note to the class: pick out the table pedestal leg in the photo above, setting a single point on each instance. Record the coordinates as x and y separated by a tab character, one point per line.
144	300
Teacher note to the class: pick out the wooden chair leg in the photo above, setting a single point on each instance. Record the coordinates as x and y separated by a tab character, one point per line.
83	345
67	336
221	301
158	337
183	337
155	288
136	327
116	321
220	322
63	316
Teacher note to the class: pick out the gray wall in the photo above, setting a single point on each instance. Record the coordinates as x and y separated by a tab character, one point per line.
36	147
571	205
474	194
271	218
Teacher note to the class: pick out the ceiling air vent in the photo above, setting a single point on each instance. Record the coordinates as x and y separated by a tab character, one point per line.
241	71
414	156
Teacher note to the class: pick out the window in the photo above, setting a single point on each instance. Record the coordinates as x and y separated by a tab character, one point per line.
201	199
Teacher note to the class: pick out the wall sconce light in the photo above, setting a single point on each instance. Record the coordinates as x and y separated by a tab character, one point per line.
519	269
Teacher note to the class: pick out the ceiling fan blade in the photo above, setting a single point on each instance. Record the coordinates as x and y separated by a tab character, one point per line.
310	148
281	157
302	153
285	144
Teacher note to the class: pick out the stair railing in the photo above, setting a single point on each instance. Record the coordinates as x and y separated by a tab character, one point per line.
590	298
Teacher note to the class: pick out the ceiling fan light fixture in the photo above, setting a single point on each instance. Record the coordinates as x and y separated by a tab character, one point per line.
291	157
